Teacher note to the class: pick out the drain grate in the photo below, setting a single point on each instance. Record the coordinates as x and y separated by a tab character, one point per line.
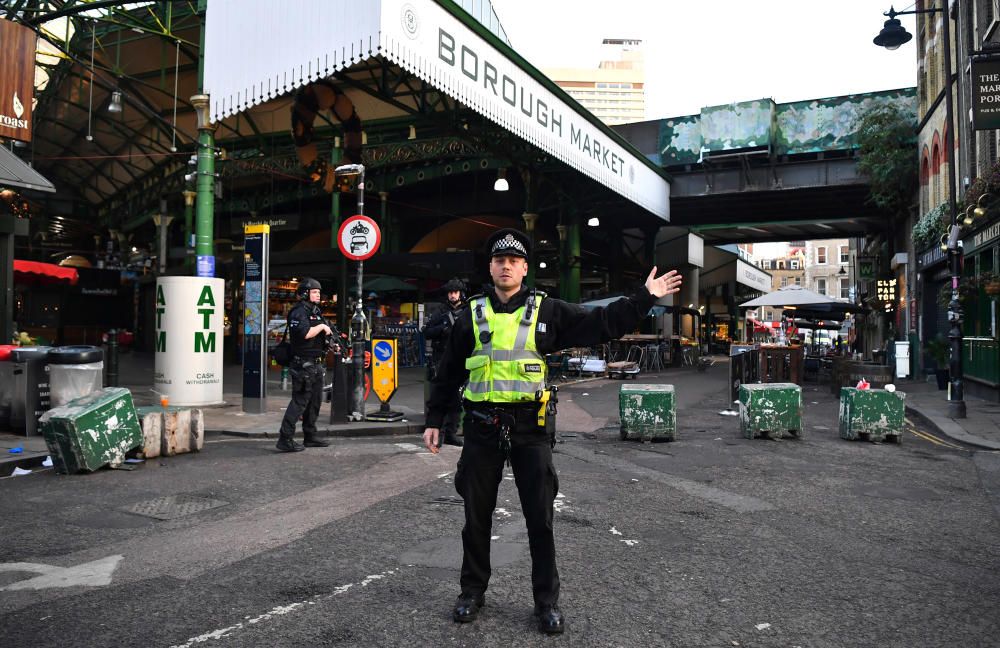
172	507
455	501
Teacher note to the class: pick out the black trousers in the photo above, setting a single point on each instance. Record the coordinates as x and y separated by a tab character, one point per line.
307	396
480	471
449	426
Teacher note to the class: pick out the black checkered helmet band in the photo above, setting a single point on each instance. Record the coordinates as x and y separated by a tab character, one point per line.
508	243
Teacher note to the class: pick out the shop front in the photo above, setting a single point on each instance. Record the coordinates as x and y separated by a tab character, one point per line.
979	291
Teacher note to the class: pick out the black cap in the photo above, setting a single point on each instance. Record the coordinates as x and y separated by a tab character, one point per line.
510	242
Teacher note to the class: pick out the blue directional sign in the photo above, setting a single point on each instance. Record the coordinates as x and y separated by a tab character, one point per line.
383	351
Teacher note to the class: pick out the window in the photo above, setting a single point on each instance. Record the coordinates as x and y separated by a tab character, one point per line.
798	281
821	255
784	281
845	255
821	286
767	316
794	264
845	288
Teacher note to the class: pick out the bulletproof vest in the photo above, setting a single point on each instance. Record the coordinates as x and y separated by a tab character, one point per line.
505	366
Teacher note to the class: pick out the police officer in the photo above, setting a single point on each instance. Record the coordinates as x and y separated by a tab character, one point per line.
499	346
438	330
310	335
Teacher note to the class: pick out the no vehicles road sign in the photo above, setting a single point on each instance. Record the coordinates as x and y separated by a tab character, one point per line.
359	237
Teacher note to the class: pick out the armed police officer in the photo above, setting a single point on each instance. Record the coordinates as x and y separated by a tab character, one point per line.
499	346
438	330
310	336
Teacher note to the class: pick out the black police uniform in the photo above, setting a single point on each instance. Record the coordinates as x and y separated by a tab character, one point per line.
438	330
480	468
307	370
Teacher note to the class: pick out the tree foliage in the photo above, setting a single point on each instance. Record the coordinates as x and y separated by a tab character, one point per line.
887	145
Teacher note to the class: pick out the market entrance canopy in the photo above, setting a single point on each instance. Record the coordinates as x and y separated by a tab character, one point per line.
295	44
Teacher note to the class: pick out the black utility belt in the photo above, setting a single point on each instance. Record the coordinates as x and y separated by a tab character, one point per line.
520	412
306	362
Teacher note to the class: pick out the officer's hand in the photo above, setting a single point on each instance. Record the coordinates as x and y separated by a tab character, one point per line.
431	439
666	284
327	330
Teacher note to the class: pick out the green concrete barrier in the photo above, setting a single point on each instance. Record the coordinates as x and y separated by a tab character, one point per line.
92	431
872	414
771	410
648	412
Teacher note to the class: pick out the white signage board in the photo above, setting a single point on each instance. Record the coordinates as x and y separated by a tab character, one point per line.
425	39
752	276
188	340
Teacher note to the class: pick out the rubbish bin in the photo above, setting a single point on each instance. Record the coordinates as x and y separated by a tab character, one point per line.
6	384
74	371
31	388
903	359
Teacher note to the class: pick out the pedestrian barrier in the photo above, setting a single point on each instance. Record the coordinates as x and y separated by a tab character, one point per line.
92	431
871	414
771	410
647	412
169	431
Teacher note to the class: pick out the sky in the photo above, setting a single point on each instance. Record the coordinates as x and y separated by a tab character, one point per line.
713	52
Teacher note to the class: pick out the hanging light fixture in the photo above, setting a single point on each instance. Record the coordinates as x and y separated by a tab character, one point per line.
594	222
543	265
90	102
116	102
501	183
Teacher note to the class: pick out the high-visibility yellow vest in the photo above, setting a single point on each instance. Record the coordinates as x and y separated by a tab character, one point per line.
505	366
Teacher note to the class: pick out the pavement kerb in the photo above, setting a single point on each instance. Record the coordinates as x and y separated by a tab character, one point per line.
951	429
340	431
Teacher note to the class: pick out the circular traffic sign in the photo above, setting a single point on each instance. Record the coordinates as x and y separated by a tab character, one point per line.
383	351
359	237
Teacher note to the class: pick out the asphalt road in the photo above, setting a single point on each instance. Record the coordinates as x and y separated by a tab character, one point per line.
711	540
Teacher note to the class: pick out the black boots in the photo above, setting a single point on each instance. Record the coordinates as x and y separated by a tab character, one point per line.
286	444
550	619
467	607
316	442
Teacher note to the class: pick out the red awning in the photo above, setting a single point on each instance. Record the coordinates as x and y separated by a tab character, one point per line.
36	272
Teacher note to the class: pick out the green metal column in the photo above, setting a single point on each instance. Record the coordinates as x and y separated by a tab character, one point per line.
529	224
572	284
189	197
336	154
205	189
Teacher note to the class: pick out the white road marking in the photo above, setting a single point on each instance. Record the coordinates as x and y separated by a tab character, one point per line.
282	610
409	447
92	574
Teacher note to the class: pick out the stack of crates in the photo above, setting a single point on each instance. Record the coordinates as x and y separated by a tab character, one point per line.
92	431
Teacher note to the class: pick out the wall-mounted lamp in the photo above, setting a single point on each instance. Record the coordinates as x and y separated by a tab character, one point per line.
501	183
115	106
594	222
543	265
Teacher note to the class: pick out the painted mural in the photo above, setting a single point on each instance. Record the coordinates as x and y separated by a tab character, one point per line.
782	129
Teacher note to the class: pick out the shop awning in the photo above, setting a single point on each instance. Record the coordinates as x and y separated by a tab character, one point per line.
15	173
435	41
36	272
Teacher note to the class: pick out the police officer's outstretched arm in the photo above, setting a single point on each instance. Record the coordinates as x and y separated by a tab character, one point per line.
577	326
451	374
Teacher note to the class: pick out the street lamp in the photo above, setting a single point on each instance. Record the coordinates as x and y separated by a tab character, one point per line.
358	320
893	35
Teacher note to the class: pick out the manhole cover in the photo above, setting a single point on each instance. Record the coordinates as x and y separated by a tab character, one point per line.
172	507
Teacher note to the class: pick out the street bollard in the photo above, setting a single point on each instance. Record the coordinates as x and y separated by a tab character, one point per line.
112	367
